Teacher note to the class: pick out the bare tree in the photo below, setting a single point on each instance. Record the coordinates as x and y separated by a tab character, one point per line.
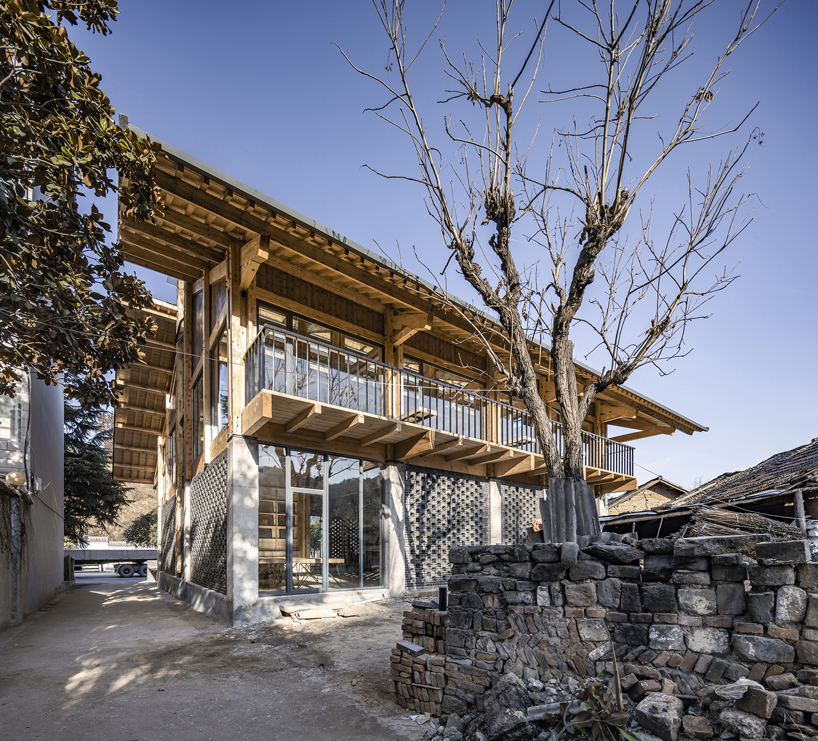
573	203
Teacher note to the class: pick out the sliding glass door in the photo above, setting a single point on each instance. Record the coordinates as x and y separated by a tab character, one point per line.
320	522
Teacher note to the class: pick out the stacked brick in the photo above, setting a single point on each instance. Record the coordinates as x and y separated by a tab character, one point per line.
722	608
425	625
419	660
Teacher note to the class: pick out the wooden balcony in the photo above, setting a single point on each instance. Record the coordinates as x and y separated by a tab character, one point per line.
302	392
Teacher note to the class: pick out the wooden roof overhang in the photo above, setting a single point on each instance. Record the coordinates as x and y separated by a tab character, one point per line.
205	211
142	389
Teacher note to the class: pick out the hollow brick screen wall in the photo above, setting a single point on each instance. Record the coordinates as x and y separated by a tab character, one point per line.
208	526
519	505
442	510
167	551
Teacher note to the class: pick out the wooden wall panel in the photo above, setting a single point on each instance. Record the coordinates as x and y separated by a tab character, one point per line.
312	296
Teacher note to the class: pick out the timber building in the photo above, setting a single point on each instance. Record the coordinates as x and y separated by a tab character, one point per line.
318	421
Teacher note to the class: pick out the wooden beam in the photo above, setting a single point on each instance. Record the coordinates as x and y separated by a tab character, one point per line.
150	413
352	421
408	325
159	344
197	253
442	448
135	449
514	467
610	413
218	273
137	428
376	437
467	453
414	446
124	386
649	432
302	418
199	228
284	261
257	413
146	259
492	457
253	255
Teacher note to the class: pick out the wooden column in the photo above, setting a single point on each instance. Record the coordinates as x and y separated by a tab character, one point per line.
208	434
798	501
236	324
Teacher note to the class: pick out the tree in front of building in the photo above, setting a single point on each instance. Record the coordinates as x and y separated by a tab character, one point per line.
142	532
565	237
64	295
93	498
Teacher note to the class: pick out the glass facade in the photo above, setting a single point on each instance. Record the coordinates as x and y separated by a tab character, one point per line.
320	521
220	390
198	419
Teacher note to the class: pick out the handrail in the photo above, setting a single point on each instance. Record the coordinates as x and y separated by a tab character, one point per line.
310	368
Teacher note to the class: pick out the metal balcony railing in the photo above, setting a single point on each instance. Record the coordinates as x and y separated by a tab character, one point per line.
310	369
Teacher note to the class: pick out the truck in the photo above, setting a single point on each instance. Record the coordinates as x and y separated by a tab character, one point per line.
128	560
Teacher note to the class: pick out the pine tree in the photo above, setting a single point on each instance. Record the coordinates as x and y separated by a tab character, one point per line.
92	496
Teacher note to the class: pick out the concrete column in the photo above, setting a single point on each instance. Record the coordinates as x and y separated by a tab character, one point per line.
495	513
394	531
242	523
186	535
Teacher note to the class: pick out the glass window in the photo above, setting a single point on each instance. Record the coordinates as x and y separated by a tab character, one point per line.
268	317
306	470
371	524
198	326
171	456
10	416
324	539
344	530
218	298
198	419
306	328
373	352
272	518
220	391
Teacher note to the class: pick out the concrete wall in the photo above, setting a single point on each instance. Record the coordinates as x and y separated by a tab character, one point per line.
40	575
45	539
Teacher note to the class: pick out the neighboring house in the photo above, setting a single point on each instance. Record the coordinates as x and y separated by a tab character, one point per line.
779	487
31	525
320	423
655	493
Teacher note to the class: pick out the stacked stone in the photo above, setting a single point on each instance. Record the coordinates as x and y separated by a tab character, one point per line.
537	611
425	625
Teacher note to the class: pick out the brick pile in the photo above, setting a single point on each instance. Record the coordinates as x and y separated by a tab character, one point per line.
419	660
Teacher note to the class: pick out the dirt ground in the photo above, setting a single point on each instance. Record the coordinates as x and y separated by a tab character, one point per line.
118	660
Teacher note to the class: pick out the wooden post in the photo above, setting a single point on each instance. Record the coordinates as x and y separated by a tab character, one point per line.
236	321
798	501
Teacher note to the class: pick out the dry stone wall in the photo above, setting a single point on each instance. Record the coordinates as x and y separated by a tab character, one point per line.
704	611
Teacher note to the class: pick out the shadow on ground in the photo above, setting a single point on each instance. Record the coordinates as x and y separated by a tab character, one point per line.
115	659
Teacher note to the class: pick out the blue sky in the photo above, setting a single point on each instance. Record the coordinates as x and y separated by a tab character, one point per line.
261	93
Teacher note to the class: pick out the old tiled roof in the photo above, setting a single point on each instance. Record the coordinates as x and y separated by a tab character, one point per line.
781	471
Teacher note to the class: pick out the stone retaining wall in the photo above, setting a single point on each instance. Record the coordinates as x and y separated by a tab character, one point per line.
712	609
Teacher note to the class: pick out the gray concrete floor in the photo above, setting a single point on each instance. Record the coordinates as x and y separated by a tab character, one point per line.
117	660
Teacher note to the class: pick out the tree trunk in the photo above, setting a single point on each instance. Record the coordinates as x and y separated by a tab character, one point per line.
565	379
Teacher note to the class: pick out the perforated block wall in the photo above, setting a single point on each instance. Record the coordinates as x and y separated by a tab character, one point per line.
442	510
208	526
519	503
167	549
